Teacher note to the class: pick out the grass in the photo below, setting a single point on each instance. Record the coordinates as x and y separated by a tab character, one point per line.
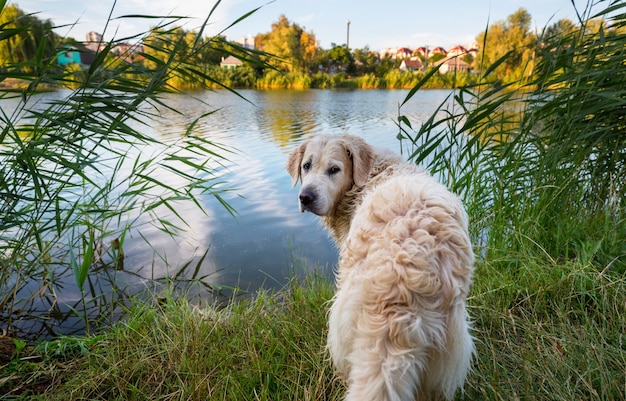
544	332
269	347
548	331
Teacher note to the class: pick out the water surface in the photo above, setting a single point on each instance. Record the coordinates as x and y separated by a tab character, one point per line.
268	241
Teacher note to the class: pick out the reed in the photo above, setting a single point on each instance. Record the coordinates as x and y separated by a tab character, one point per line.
66	199
540	162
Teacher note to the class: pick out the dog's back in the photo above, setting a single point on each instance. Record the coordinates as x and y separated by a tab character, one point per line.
398	324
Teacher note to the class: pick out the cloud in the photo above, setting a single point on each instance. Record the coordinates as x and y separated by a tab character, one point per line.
305	19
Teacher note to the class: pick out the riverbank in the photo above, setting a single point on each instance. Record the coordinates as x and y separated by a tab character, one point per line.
221	78
543	330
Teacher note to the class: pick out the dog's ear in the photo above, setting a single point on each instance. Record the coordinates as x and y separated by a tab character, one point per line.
362	156
293	163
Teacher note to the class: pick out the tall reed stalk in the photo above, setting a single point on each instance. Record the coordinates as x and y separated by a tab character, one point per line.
541	162
67	193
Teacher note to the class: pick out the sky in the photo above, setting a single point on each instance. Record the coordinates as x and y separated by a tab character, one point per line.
377	24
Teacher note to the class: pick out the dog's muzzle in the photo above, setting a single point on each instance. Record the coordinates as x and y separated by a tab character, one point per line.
307	200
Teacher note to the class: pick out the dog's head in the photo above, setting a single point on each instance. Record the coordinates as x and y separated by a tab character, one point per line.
328	166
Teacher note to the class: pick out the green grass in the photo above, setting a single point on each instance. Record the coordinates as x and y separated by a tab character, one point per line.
543	331
269	347
548	332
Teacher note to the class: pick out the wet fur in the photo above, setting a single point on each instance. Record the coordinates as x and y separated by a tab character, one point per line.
398	326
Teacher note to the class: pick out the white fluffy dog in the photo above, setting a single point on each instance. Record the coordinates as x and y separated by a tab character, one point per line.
398	327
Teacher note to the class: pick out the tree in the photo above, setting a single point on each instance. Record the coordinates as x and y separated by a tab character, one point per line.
385	65
181	51
23	36
341	57
366	60
161	45
511	39
559	29
292	49
214	49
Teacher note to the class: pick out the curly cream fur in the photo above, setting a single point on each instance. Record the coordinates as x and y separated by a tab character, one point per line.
398	325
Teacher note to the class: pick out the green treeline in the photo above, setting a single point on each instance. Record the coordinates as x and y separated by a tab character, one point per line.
287	56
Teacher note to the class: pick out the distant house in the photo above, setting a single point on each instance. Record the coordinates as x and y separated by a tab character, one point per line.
230	62
128	52
94	41
411	65
75	54
452	64
437	50
93	37
403	52
457	50
421	51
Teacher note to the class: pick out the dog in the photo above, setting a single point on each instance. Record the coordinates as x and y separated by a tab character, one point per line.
398	327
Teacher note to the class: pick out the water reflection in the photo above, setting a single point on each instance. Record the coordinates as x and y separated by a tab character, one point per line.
268	240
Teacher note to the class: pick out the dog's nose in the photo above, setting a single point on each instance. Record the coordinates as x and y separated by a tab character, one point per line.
307	197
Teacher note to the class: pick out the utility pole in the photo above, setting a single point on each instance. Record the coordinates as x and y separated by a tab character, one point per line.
348	36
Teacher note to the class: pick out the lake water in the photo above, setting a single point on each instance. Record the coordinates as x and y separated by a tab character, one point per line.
268	241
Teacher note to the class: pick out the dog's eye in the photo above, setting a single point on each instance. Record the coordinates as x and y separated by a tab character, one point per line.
306	166
333	170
